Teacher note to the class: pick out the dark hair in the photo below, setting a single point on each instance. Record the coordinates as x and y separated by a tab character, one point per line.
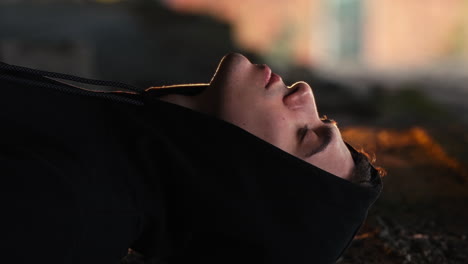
363	168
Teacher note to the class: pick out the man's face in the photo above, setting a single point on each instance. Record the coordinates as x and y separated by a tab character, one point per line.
252	97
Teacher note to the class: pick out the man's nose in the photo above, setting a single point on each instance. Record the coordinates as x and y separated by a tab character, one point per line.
301	96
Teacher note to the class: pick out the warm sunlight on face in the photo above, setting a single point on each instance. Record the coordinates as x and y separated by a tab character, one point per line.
257	100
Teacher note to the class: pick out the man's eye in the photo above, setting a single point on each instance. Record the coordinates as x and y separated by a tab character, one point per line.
302	132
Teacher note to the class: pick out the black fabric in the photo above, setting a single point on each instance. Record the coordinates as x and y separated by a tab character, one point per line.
86	177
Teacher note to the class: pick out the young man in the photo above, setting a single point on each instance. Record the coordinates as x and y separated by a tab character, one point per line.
240	170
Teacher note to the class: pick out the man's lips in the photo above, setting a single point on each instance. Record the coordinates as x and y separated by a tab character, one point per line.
270	77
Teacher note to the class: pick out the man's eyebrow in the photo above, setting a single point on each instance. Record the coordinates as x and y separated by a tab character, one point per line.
326	136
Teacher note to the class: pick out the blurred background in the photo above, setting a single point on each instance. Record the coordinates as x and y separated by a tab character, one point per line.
394	73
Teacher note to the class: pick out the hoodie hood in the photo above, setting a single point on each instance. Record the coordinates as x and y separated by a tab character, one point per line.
230	196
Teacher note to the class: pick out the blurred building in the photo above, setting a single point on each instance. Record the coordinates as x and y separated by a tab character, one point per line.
339	36
416	33
381	35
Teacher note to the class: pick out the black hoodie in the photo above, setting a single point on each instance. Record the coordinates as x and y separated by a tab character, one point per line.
87	175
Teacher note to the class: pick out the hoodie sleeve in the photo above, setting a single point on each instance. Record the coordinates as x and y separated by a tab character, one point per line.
67	182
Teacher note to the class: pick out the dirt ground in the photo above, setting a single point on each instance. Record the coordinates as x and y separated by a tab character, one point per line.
421	216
